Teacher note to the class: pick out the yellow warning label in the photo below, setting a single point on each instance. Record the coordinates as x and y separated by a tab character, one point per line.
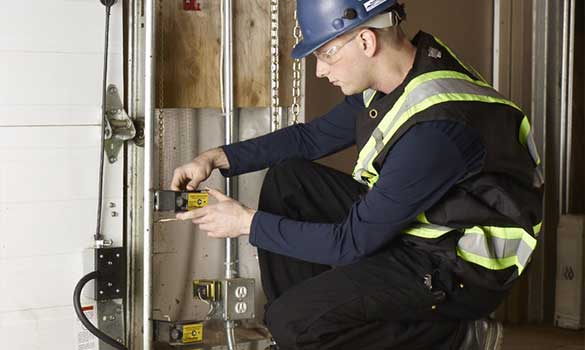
192	333
196	200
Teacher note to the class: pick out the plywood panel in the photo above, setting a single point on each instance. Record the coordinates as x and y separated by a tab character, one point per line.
189	54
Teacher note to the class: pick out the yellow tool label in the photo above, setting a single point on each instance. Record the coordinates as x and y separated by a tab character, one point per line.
196	200
192	333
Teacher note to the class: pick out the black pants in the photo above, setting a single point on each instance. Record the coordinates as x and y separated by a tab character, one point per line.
400	298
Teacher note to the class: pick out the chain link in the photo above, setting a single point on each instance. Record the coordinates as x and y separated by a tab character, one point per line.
296	75
161	96
274	65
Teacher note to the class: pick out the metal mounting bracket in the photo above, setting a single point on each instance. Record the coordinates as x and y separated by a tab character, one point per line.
119	127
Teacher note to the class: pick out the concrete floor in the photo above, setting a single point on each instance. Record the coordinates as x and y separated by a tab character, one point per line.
542	338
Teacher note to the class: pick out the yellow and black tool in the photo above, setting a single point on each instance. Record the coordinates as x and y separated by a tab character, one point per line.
178	332
179	201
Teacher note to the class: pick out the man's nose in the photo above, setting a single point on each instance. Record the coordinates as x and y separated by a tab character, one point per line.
322	69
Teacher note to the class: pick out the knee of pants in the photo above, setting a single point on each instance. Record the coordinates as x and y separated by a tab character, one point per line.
281	326
286	170
279	180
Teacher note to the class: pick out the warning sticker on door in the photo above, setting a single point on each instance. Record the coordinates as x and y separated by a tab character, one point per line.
84	339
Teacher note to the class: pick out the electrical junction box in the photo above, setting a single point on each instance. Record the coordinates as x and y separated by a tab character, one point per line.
230	299
570	283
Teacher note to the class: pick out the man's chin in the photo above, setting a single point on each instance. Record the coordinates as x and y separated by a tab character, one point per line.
347	91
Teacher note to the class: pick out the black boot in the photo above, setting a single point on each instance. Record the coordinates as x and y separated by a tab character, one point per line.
483	335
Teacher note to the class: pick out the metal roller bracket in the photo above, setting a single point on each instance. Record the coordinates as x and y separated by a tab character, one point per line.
119	127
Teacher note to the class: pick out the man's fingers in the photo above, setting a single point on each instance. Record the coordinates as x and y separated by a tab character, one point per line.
192	186
176	183
193	214
217	195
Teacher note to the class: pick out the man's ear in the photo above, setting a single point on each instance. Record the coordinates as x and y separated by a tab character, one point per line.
368	42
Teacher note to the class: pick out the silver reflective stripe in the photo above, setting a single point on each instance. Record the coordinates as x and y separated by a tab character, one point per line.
441	86
379	137
368	95
489	247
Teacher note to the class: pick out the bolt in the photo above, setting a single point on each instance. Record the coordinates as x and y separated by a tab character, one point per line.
110	263
110	284
114	214
105	318
112	205
112	90
119	340
117	291
101	256
117	255
112	317
101	292
113	159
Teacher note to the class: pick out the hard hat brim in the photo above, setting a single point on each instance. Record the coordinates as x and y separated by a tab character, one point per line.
304	48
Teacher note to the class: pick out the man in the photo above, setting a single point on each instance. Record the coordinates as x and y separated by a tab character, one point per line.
441	215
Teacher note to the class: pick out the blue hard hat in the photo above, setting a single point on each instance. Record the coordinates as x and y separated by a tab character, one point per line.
325	20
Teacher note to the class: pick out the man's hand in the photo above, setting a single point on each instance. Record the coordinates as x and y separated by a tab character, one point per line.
190	175
226	219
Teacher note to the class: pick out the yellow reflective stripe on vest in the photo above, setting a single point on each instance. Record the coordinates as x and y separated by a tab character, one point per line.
527	139
429	231
421	93
469	68
495	248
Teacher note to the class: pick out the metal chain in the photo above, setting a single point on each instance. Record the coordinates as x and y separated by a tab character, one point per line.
274	65
296	75
161	96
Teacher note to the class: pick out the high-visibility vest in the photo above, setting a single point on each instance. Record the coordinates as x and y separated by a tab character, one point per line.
491	246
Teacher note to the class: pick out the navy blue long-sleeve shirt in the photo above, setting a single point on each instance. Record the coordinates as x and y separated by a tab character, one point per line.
419	169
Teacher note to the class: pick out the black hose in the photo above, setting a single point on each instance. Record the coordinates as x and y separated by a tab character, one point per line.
81	315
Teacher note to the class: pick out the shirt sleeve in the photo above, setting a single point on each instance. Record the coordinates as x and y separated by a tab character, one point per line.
323	136
420	168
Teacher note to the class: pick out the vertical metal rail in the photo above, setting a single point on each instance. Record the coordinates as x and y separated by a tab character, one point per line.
539	105
570	77
566	105
149	83
497	30
231	244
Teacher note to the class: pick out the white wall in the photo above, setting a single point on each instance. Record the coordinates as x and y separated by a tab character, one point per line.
51	57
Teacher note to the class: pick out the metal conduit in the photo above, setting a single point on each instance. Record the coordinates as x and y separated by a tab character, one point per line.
496	43
149	83
231	244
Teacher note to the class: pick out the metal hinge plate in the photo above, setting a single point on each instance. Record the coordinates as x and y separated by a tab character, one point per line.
119	127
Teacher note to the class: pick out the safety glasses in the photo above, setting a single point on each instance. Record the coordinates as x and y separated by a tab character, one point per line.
330	56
